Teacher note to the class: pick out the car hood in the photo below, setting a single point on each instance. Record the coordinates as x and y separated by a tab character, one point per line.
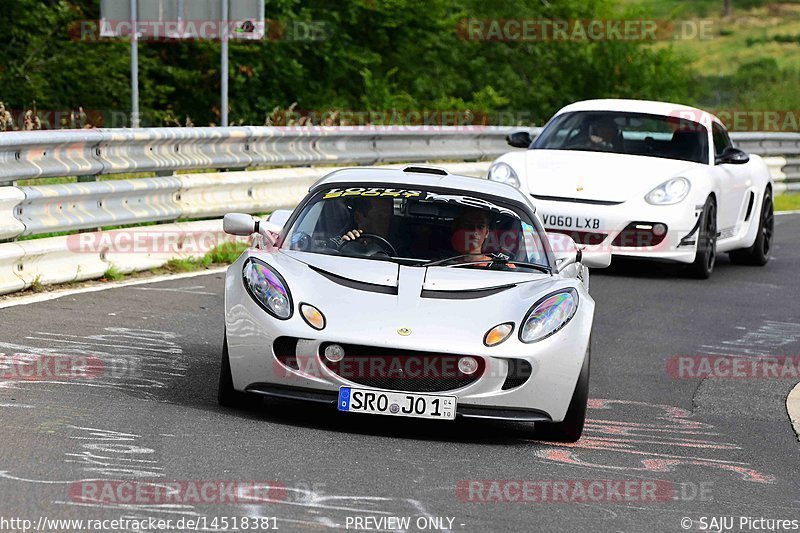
388	274
597	175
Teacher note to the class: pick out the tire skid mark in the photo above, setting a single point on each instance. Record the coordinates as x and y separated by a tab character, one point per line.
623	445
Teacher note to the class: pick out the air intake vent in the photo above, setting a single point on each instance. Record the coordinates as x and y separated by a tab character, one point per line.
426	170
519	371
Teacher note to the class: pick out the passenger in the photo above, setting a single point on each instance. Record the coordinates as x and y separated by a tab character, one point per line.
470	230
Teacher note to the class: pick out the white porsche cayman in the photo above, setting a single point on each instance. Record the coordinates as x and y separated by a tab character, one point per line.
413	293
645	179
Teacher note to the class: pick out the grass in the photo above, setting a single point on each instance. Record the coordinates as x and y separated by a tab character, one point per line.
112	274
749	34
223	254
787	202
36	286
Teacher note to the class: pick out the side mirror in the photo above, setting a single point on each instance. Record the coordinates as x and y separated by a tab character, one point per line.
564	248
568	253
732	156
519	139
595	258
245	225
239	224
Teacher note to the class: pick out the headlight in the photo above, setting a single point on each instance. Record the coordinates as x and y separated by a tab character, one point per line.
503	173
670	192
549	315
267	288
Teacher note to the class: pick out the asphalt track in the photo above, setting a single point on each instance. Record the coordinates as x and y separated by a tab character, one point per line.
722	447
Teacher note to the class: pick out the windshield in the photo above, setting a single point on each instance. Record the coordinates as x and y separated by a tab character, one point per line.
417	227
626	133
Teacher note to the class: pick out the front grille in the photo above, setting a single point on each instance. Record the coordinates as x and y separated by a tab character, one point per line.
587	238
285	349
519	371
641	235
401	370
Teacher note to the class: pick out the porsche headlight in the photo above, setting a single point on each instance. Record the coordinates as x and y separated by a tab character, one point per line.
267	288
549	315
670	192
503	173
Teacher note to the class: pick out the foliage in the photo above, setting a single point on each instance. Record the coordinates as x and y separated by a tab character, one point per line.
370	56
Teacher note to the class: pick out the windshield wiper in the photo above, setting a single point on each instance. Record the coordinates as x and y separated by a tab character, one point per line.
498	258
437	262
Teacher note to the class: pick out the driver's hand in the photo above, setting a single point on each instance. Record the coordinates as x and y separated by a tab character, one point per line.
352	235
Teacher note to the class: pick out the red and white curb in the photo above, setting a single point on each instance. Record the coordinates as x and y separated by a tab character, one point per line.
793	408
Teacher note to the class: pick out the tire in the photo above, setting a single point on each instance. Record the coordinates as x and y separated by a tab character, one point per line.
571	428
227	396
758	254
706	256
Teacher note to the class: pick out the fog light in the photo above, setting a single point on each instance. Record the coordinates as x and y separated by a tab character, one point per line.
467	365
498	334
312	316
334	353
659	229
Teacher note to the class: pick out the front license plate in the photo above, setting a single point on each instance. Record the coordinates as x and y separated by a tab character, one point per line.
378	402
579	222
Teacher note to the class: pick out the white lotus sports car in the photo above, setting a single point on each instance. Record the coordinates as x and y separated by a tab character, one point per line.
411	292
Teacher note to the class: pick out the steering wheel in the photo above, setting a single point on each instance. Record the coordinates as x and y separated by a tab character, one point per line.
378	242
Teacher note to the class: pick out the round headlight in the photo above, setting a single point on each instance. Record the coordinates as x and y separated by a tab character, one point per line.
670	192
549	315
267	288
503	173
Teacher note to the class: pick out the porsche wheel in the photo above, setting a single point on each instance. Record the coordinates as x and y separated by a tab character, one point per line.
706	256
758	254
227	396
571	428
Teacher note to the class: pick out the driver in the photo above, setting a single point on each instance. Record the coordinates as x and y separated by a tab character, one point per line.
603	134
371	215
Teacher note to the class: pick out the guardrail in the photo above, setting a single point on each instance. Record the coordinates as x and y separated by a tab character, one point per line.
42	154
37	209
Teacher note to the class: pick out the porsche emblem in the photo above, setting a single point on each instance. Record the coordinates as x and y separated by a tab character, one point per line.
405	332
579	189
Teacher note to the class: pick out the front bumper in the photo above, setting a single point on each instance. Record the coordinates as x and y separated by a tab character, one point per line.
555	362
679	244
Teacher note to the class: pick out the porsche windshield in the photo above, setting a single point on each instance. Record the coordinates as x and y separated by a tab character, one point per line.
626	133
417	227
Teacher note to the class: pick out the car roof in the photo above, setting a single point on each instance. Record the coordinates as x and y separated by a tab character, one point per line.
423	176
650	107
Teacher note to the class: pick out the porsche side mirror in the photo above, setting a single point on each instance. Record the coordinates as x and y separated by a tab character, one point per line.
519	139
732	156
